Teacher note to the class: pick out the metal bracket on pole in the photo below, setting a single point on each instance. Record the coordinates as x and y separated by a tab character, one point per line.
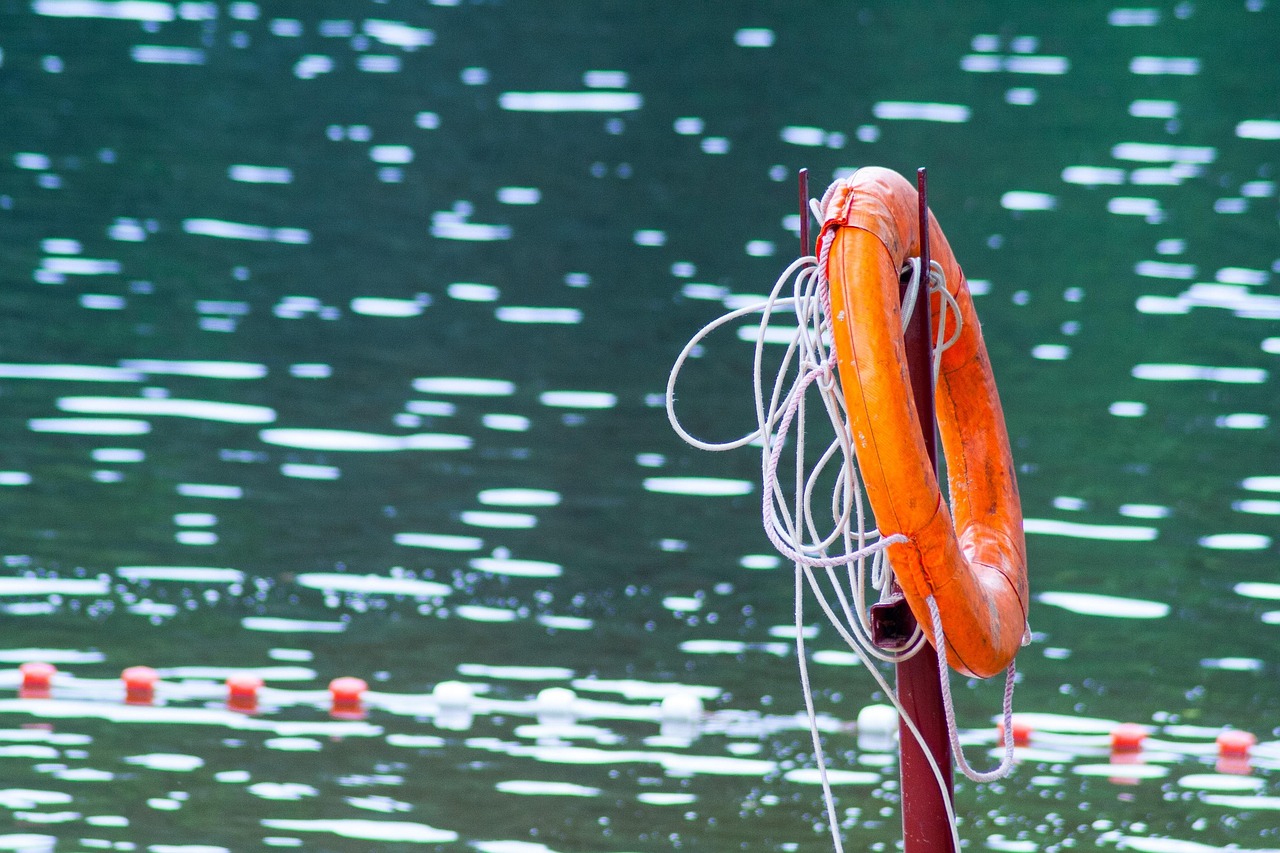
892	623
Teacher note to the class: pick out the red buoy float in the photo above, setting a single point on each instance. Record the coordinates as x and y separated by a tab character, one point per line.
1022	731
1128	737
347	693
37	680
242	692
140	685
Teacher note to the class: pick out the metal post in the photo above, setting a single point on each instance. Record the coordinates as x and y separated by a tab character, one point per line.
805	248
926	822
926	827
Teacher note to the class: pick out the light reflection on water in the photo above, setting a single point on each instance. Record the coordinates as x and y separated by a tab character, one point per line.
480	234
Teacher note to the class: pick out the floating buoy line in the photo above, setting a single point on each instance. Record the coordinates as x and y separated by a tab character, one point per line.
452	705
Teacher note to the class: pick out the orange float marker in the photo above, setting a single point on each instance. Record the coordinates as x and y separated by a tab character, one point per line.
1126	748
1235	744
1128	738
37	680
139	685
1021	732
1234	747
242	692
348	697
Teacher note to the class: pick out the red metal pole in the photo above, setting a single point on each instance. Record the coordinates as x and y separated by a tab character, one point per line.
926	826
805	247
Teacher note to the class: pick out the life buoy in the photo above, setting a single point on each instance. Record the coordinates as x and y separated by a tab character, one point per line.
970	557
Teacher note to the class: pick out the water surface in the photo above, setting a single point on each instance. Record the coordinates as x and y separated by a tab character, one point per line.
335	336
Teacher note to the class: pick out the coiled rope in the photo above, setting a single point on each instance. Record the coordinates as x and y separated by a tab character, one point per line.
791	522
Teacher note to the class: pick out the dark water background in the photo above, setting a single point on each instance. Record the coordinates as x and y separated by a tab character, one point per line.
310	213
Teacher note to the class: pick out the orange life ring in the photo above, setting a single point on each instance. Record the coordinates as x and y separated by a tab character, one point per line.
974	567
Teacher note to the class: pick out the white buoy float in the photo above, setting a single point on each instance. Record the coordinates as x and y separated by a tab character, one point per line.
877	728
680	716
453	705
556	706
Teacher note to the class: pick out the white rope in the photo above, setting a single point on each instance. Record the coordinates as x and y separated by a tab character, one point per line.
941	344
889	692
1005	767
792	522
938	286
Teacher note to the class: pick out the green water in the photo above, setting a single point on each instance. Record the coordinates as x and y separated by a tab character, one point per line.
310	213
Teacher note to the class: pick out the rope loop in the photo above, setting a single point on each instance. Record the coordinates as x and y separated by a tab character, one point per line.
937	287
1005	767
